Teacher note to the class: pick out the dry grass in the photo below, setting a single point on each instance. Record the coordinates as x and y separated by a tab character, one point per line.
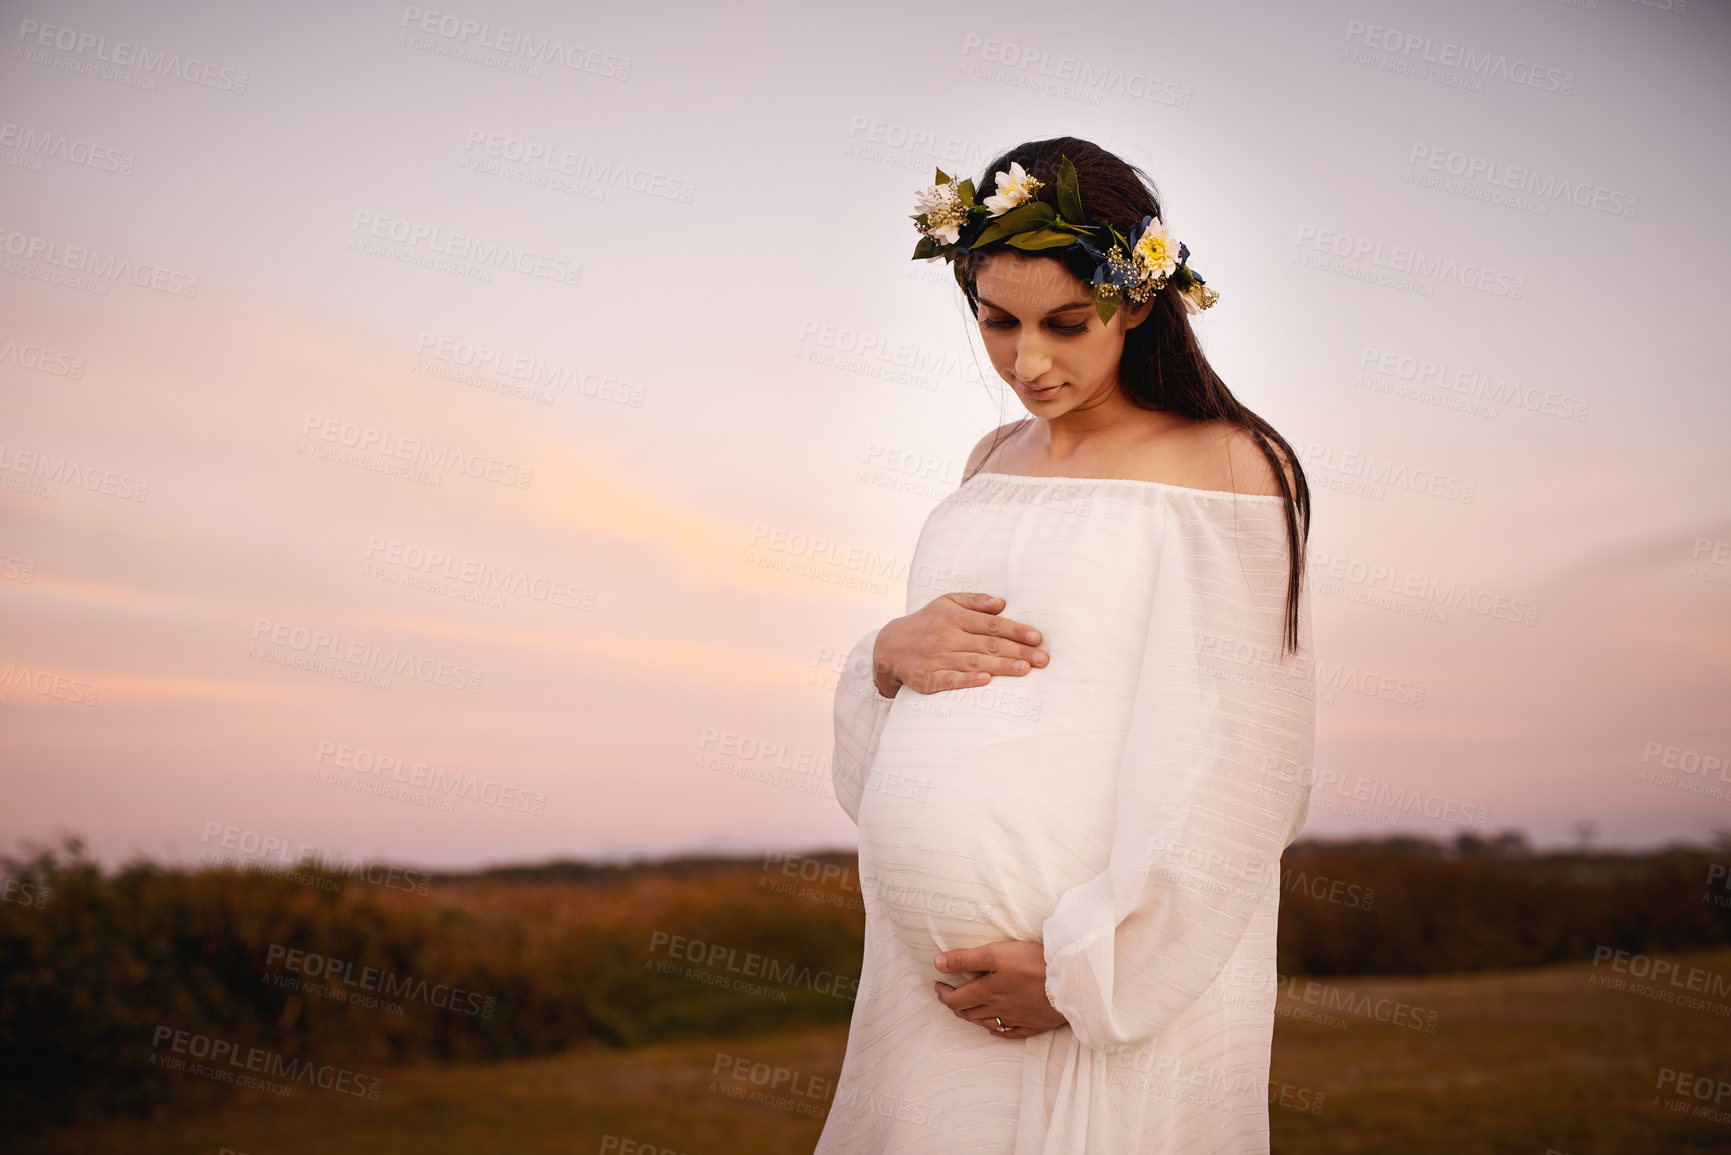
1520	1061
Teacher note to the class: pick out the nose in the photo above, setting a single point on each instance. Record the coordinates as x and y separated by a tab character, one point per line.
1032	360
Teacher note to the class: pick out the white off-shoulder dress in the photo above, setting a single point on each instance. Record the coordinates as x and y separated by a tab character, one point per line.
1126	806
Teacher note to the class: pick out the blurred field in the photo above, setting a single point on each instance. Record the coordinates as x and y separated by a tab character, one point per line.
1520	1061
598	999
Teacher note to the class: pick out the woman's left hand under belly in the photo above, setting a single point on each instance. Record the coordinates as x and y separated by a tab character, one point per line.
1008	997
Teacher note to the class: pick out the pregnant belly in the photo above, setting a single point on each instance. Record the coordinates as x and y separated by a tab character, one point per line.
969	837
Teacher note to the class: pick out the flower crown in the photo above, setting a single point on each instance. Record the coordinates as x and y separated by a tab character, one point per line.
1129	268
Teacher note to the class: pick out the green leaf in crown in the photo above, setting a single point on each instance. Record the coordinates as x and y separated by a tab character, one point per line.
1105	301
1029	217
1042	239
1069	196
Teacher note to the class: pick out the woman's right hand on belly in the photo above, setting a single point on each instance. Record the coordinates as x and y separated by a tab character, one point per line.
951	643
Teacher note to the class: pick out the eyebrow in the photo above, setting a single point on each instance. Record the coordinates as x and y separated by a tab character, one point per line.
1059	309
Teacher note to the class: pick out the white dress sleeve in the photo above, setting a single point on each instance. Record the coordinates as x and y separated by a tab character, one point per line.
1214	784
860	714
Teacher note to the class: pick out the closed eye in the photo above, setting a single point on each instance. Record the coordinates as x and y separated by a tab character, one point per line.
1070	330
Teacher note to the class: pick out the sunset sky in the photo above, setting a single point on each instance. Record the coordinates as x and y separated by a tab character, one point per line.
269	391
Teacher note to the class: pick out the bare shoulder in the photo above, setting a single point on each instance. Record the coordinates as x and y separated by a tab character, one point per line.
1229	457
984	447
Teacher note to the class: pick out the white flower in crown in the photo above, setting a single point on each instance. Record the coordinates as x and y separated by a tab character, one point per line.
1155	253
1198	296
1015	187
945	212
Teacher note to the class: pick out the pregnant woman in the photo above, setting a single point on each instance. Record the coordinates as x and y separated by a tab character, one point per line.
1074	775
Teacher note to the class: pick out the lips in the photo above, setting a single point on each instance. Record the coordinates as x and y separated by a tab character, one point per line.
1042	394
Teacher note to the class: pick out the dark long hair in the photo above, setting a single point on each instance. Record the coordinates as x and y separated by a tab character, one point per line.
1163	366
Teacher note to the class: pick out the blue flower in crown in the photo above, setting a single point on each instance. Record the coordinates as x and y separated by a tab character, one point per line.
1135	267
